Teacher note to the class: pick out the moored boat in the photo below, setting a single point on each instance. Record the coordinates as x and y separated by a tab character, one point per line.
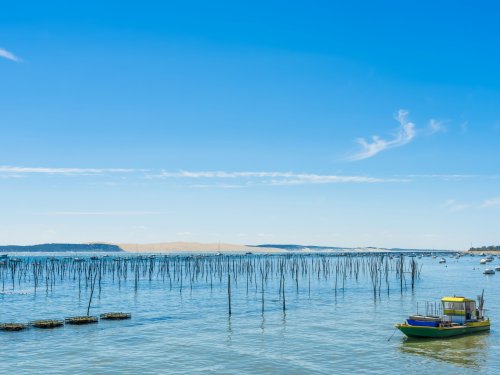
489	271
460	317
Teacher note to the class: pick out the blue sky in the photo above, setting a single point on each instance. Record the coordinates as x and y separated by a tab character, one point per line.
329	123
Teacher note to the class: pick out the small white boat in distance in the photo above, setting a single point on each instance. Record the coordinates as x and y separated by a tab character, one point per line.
489	271
497	268
483	261
442	260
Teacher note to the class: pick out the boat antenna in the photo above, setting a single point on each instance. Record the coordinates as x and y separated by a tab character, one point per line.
481	303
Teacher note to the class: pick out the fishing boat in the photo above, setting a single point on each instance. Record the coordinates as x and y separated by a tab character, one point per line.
460	317
489	271
483	261
442	260
497	268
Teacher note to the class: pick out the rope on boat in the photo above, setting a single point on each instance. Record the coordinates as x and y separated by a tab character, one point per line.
389	339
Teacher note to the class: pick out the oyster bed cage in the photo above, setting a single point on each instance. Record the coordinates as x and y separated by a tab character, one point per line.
13	327
48	323
115	316
79	320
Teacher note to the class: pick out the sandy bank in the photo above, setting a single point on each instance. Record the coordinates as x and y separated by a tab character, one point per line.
174	247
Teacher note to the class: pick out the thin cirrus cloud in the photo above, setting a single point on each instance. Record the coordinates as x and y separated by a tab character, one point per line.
274	177
270	178
102	213
448	177
436	126
244	178
19	171
404	135
493	202
454	206
9	55
226	179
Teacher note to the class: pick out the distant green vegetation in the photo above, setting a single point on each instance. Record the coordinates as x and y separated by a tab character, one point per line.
61	247
485	248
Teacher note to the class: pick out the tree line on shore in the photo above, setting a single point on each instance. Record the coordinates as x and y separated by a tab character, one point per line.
485	248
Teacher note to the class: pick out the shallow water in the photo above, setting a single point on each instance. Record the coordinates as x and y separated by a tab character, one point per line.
190	331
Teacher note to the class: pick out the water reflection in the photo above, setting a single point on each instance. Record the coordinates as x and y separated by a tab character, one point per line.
229	330
465	351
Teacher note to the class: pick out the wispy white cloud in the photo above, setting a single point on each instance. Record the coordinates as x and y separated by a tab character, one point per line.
220	174
19	171
493	202
245	178
219	186
404	135
9	55
436	126
220	179
454	206
101	213
301	179
447	177
270	178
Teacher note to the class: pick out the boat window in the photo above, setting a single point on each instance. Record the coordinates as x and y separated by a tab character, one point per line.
454	308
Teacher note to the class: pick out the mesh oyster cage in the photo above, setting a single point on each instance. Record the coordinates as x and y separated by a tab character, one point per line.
80	320
115	316
13	326
47	323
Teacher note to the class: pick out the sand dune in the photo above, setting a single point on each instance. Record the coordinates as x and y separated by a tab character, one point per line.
168	247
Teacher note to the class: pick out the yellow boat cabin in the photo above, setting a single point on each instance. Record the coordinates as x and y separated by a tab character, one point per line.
460	309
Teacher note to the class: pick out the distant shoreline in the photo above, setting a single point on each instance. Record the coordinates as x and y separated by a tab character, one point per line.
61	248
481	251
197	247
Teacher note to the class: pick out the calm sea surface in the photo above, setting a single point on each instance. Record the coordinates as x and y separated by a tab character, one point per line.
176	331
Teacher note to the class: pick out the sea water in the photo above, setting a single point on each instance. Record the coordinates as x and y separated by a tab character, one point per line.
189	331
